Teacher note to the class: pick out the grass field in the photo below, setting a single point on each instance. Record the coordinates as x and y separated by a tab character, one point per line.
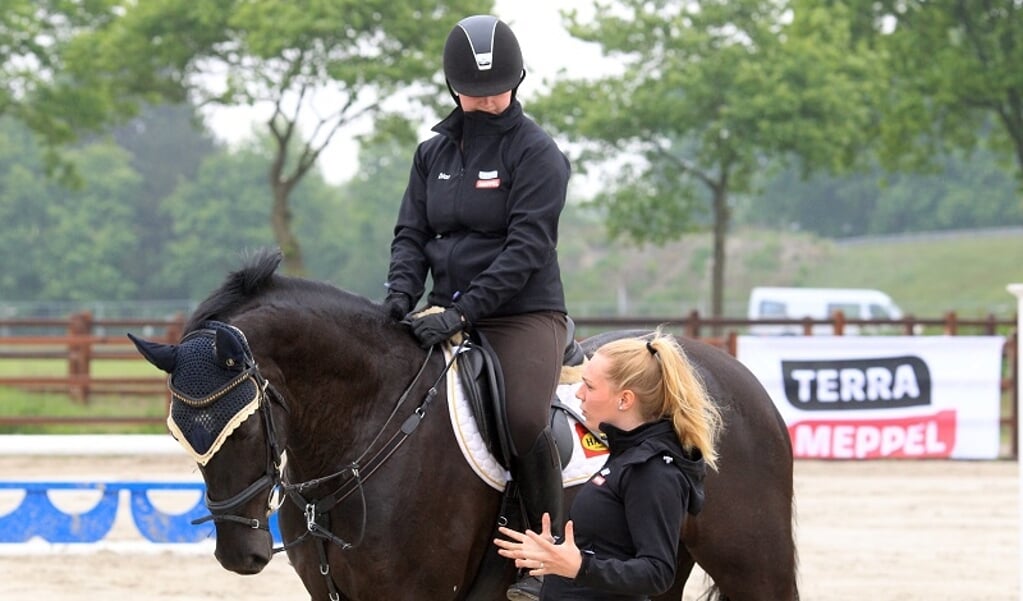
931	274
58	367
928	275
15	402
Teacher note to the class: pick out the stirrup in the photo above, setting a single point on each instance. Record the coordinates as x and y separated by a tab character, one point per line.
526	588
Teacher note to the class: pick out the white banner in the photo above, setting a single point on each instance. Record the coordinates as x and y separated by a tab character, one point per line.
870	397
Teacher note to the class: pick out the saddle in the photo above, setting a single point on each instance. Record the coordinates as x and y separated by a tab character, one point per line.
482	381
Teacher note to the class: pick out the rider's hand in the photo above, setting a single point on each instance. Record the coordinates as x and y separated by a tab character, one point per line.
437	327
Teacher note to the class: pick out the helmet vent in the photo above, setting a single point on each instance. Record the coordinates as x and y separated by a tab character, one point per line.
483	44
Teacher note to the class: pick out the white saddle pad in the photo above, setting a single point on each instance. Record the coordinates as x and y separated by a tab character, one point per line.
588	454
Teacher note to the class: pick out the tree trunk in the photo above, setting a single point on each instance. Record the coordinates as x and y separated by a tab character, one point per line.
722	217
281	223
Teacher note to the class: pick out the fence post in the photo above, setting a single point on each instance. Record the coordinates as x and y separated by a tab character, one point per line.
79	355
693	324
838	322
1017	289
951	323
175	330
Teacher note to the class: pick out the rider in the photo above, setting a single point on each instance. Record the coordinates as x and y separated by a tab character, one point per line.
480	215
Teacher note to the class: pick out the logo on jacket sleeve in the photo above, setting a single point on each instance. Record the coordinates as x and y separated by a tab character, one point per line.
488	179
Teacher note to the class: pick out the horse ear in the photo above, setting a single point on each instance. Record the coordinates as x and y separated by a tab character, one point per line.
164	356
230	352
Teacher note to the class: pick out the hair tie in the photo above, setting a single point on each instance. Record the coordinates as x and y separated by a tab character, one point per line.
651	348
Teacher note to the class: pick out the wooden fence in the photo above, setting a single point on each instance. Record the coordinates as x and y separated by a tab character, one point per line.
80	340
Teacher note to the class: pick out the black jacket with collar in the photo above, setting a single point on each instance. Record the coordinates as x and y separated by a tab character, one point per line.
628	517
483	218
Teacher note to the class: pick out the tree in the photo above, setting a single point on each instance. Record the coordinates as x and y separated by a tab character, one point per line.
969	191
954	70
33	89
223	214
281	55
90	238
708	93
23	213
167	144
361	224
62	244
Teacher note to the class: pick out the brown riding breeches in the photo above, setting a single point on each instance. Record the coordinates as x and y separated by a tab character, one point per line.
530	347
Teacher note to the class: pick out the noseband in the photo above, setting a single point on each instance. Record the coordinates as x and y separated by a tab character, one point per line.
272	477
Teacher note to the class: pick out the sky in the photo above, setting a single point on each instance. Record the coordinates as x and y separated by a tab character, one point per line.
546	47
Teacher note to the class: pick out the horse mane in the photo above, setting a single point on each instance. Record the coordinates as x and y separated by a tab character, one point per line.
256	278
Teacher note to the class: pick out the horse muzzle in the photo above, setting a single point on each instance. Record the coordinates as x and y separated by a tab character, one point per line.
242	549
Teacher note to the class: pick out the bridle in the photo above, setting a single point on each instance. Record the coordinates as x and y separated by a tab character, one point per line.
273	474
351	478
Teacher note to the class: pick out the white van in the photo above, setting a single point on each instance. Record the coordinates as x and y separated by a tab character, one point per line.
817	303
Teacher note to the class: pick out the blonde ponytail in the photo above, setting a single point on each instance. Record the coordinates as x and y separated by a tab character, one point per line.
666	386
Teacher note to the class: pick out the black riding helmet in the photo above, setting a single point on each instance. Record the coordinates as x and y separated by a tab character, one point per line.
482	57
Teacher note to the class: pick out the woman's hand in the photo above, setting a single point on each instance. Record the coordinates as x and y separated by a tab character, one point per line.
538	553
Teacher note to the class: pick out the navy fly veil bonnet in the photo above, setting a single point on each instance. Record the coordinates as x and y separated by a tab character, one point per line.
211	395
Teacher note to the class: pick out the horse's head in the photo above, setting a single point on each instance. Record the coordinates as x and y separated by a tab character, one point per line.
223	413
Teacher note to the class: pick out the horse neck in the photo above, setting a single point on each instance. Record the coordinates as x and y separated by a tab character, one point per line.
344	400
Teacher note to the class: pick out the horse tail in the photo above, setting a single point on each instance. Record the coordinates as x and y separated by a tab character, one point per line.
239	285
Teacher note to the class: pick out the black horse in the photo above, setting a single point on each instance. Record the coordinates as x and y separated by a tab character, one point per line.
378	500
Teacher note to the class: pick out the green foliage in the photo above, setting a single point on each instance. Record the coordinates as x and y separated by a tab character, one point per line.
224	213
65	244
708	104
965	192
360	226
707	92
955	68
89	233
166	144
25	219
213	220
277	55
33	36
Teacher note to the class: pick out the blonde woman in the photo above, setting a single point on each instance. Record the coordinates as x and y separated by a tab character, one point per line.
622	536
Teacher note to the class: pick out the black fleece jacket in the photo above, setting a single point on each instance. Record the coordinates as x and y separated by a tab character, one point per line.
480	214
628	517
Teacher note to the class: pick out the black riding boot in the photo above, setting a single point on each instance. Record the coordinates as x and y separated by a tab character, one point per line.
538	473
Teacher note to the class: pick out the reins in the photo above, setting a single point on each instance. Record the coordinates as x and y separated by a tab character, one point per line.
360	470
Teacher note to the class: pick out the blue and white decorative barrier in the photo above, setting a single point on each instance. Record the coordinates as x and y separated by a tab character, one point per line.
55	514
38	516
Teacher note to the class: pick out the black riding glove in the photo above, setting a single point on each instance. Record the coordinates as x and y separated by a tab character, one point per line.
437	327
397	305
